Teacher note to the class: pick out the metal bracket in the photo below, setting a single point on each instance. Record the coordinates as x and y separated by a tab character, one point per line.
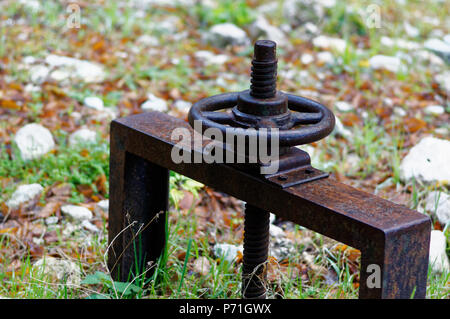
391	236
296	176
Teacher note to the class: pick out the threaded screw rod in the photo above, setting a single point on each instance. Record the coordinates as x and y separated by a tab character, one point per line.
256	250
264	70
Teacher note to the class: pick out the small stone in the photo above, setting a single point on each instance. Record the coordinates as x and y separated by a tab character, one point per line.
438	257
411	31
272	218
209	58
400	112
52	220
343	106
94	102
443	80
399	43
339	129
389	63
225	34
24	194
227	251
29	59
154	104
58	270
262	28
89	226
38	73
325	42
439	47
325	57
299	12
428	161
202	266
182	106
78	213
147	40
33	141
103	205
82	136
276	231
306	58
434	110
82	70
438	203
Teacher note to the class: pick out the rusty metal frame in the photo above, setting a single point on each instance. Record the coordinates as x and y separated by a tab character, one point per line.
389	235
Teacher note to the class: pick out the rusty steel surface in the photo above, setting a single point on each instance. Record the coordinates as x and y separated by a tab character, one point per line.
389	235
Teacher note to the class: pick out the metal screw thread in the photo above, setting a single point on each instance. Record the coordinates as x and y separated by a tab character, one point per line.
256	250
264	70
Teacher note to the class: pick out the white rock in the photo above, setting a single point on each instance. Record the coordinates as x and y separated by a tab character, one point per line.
76	212
430	57
339	129
439	47
77	69
149	40
447	38
306	58
154	104
227	251
202	266
272	218
182	106
24	194
33	5
428	161
210	58
82	136
60	270
262	28
94	102
325	57
103	205
33	141
89	226
29	59
389	63
343	106
399	43
400	112
52	220
302	11
411	31
439	203
438	257
225	34
325	42
280	246
443	80
276	231
434	110
38	73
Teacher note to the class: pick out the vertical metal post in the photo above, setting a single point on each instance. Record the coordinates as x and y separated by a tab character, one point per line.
139	192
256	250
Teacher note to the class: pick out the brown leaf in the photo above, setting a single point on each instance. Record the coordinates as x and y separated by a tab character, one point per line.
187	201
63	189
9	104
48	210
413	125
